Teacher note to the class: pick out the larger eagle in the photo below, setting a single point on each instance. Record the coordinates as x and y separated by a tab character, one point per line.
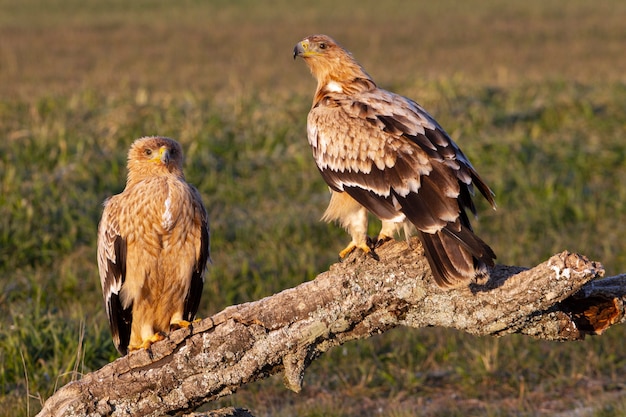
383	152
153	247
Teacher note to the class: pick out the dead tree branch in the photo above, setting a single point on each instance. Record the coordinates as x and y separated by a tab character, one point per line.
560	299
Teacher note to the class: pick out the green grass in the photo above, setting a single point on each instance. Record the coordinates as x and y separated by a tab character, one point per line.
534	93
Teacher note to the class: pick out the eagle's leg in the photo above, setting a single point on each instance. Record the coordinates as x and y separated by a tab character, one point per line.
177	321
144	331
359	241
146	343
353	217
181	324
387	232
352	246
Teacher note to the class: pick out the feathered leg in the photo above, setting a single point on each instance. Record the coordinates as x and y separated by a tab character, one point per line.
177	321
143	334
352	216
387	232
391	228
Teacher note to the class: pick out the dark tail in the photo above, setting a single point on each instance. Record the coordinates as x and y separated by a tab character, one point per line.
456	257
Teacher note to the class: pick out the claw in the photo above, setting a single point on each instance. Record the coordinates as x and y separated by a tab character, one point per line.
373	255
374	244
148	342
183	324
366	248
347	250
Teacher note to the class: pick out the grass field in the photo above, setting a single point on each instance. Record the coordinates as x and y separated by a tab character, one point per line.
534	92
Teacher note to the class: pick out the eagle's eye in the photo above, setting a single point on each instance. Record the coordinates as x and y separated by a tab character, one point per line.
322	45
148	152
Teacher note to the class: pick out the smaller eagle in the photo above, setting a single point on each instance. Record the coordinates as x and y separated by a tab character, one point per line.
383	152
153	247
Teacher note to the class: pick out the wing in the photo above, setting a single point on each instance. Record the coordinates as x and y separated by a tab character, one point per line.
112	267
391	156
192	299
383	149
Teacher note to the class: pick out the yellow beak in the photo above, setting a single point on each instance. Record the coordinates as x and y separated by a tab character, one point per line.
162	156
164	153
301	49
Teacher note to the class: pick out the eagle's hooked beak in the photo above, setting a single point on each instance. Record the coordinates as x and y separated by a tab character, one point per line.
164	155
300	49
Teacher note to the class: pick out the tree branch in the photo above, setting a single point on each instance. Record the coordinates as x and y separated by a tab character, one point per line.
353	300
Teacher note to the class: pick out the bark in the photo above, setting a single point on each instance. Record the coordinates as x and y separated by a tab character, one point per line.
560	299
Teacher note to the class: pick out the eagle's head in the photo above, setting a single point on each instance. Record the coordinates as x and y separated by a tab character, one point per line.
154	156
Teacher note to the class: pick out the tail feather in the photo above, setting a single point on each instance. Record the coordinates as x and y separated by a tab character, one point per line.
456	257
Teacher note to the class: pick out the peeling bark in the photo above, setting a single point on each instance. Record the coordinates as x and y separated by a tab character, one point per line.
560	299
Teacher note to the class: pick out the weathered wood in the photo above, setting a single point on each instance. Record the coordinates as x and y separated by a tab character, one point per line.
355	299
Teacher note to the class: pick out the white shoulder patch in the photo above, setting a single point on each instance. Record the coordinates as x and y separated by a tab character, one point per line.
334	87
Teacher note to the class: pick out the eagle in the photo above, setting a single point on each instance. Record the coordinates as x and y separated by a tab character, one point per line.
153	247
383	153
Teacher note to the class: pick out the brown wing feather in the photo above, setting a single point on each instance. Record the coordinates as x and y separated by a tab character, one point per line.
112	267
192	300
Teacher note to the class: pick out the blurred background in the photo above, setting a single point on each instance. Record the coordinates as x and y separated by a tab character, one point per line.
534	92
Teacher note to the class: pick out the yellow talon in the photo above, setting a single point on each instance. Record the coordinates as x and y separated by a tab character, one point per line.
183	324
352	246
148	342
348	249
